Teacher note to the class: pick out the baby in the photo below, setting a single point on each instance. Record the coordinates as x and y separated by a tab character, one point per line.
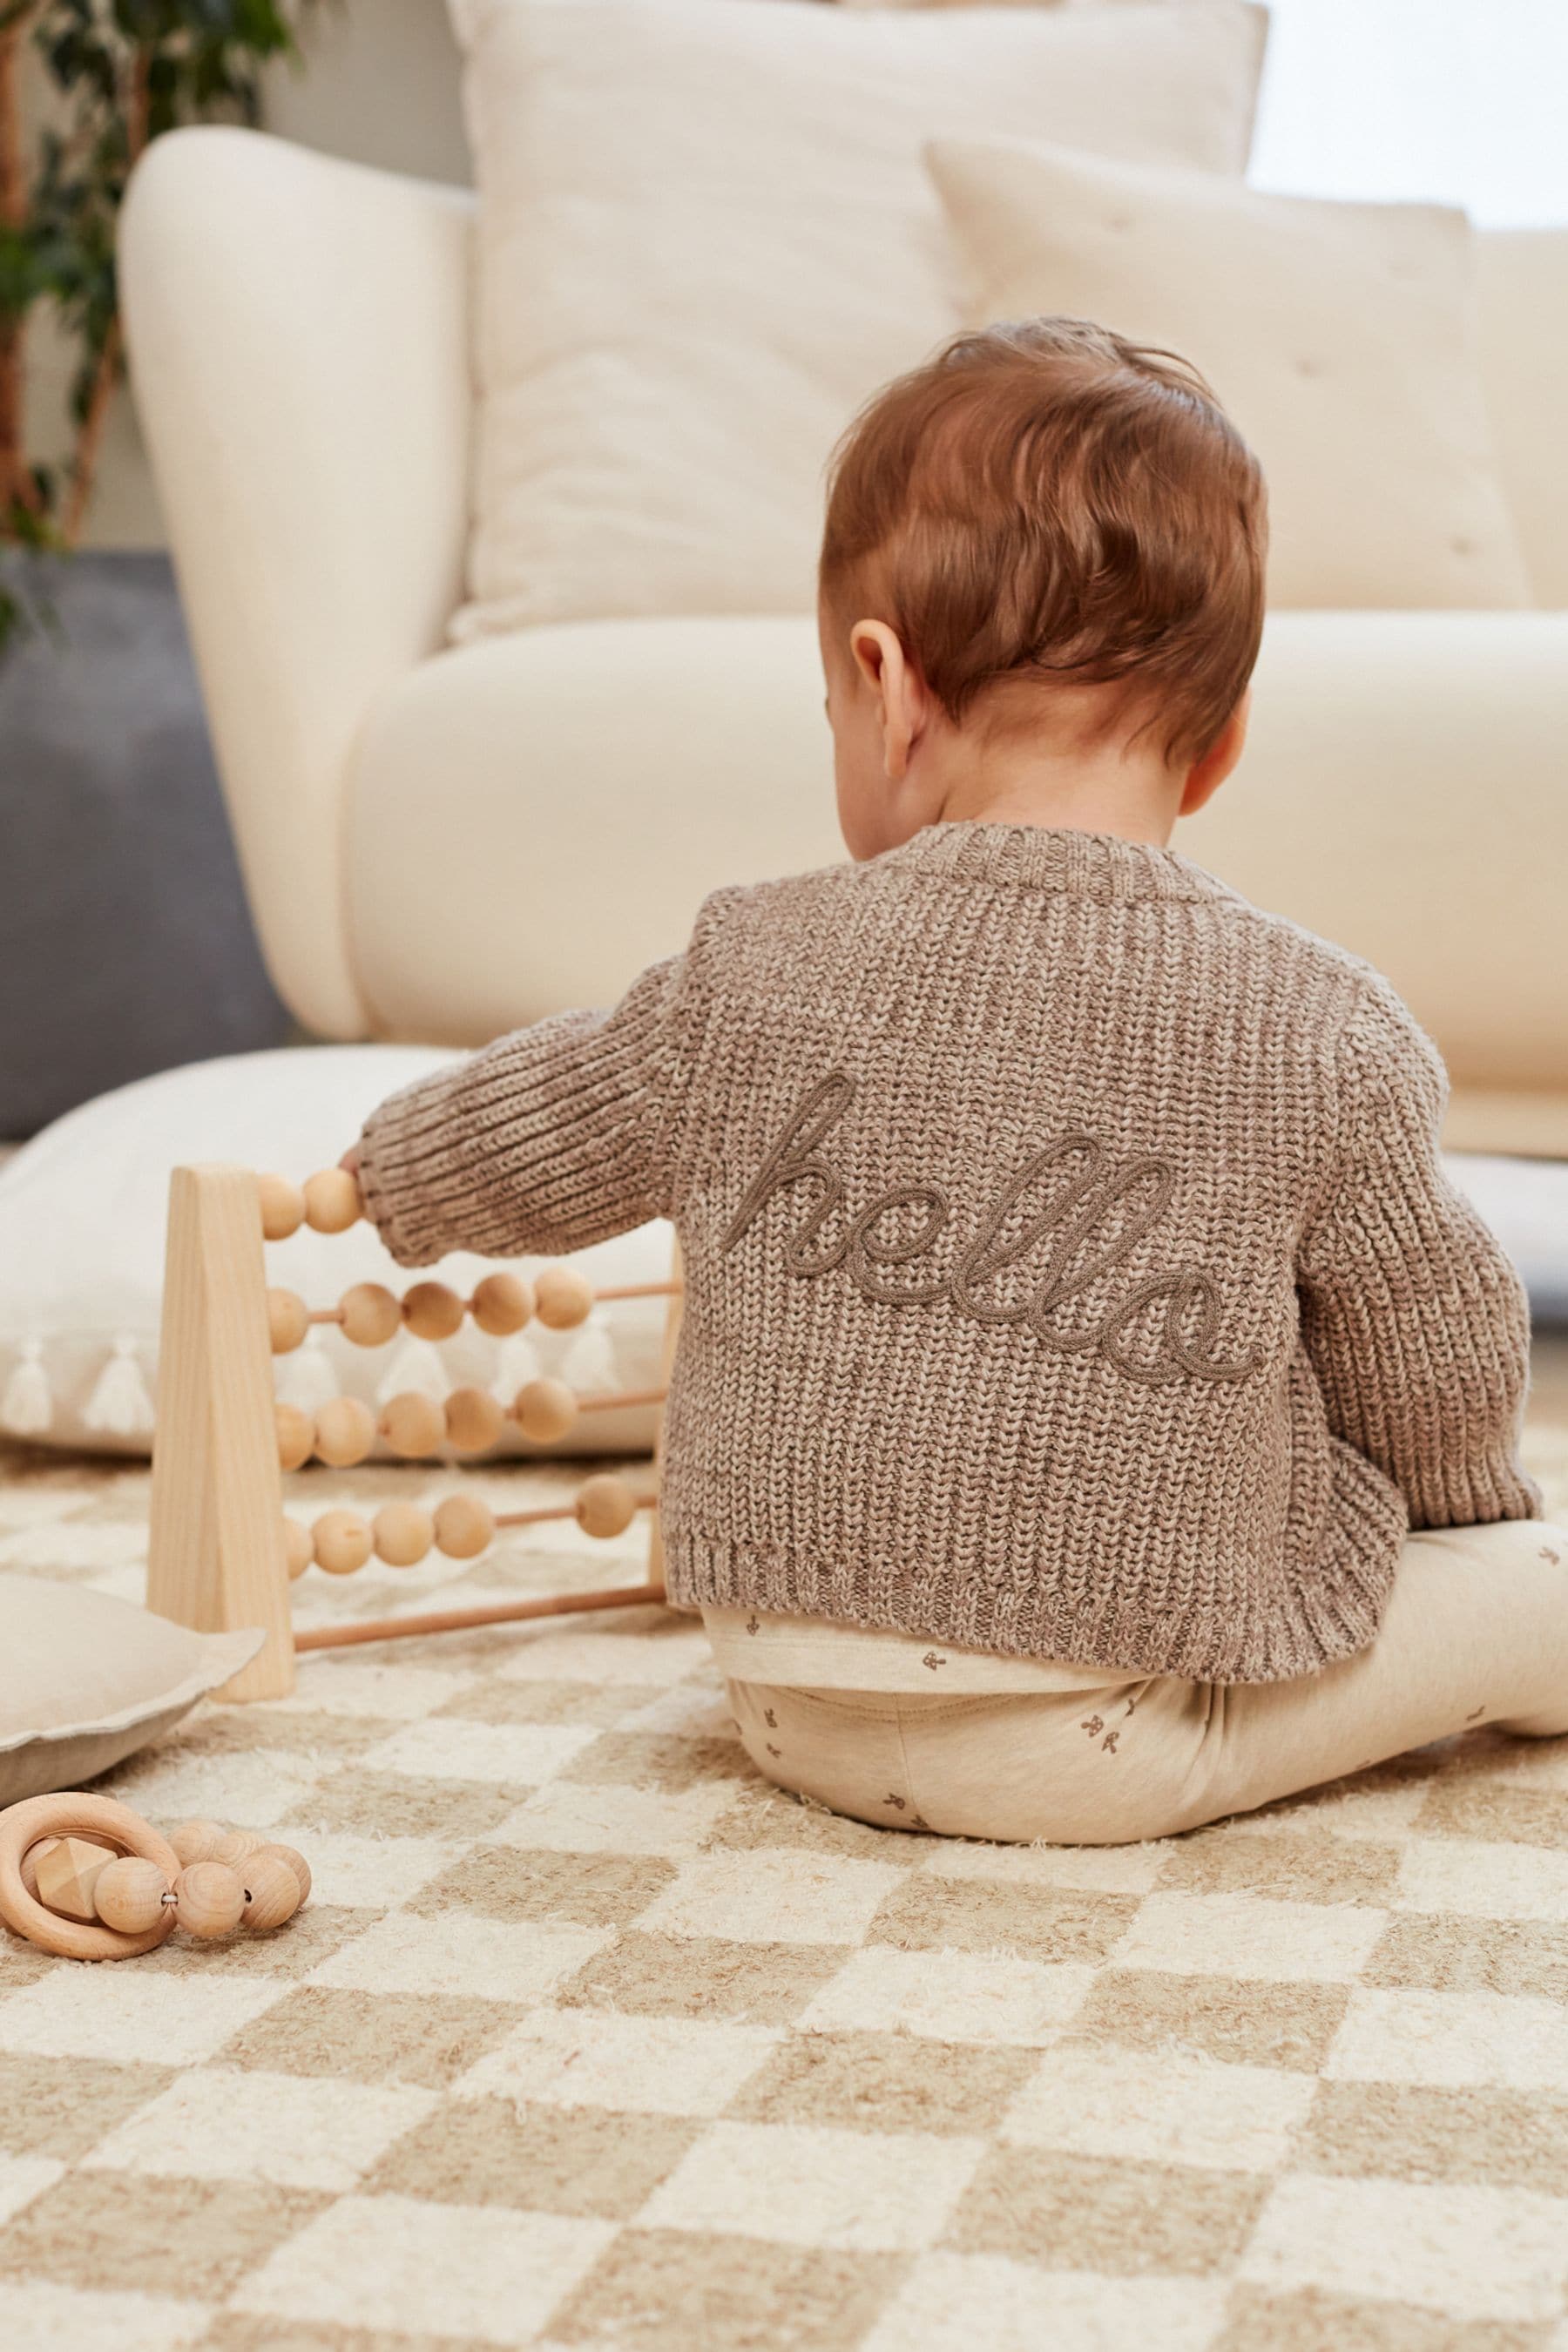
1095	1412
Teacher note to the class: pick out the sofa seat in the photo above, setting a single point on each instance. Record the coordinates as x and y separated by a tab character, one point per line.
533	818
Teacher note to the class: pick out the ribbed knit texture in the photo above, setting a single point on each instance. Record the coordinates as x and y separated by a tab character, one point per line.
1070	1268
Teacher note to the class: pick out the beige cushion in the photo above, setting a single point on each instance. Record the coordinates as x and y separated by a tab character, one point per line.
89	1679
1523	279
705	236
1339	335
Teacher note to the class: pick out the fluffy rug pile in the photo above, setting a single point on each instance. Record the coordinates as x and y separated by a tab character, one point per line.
591	2039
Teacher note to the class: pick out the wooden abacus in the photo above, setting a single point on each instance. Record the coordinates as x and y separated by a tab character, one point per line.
222	1552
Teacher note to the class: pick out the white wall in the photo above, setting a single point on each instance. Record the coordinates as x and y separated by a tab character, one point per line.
380	86
1452	101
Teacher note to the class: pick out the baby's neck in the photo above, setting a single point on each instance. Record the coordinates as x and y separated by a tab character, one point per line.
1131	794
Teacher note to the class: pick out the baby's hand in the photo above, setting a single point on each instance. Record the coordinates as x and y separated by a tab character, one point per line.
349	1161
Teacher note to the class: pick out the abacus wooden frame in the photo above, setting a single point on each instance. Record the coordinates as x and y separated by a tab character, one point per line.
216	1543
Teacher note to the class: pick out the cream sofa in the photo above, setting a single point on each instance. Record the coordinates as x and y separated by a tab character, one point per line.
439	843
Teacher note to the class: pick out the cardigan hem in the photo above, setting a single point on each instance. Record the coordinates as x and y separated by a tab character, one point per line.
1334	1614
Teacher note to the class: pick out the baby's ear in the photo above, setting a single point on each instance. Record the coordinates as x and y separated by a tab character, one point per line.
903	702
1205	776
872	647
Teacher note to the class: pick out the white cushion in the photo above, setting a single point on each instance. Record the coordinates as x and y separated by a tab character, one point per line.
82	1212
705	236
89	1679
1339	336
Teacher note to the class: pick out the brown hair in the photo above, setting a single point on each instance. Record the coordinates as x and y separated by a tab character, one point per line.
1044	500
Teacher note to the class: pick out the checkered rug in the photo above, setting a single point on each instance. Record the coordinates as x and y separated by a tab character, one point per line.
591	2039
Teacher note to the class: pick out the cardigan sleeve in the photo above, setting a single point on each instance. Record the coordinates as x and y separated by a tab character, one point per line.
1414	1320
556	1136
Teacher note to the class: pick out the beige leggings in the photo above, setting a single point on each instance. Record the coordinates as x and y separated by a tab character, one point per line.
1476	1633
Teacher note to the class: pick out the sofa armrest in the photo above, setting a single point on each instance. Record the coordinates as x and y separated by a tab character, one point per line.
1406	790
298	331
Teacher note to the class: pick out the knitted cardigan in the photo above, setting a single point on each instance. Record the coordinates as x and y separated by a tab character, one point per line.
1070	1268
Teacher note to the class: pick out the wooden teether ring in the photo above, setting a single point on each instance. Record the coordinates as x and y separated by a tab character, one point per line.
76	1814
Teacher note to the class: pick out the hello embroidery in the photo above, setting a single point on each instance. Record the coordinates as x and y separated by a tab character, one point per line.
1056	1229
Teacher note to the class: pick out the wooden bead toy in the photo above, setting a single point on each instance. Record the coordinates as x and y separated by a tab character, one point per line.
130	1894
544	1411
197	1842
464	1526
234	1847
297	1864
345	1432
297	1550
503	1304
432	1311
209	1900
474	1420
332	1201
295	1436
282	1207
369	1315
413	1424
66	1874
402	1534
341	1542
562	1297
272	1891
35	1855
288	1320
84	1877
605	1505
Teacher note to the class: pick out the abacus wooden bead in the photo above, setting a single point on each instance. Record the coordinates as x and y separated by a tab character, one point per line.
341	1542
297	1864
474	1420
295	1436
288	1320
414	1424
432	1311
130	1894
345	1432
562	1297
463	1526
296	1551
282	1207
209	1899
332	1201
369	1315
503	1304
402	1534
197	1842
235	1848
271	1891
605	1505
544	1411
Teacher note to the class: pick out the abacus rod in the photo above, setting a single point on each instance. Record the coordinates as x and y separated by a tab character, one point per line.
556	1511
325	1315
456	1621
640	1290
624	1397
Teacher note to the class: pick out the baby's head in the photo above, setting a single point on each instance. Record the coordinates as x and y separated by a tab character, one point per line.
1041	587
